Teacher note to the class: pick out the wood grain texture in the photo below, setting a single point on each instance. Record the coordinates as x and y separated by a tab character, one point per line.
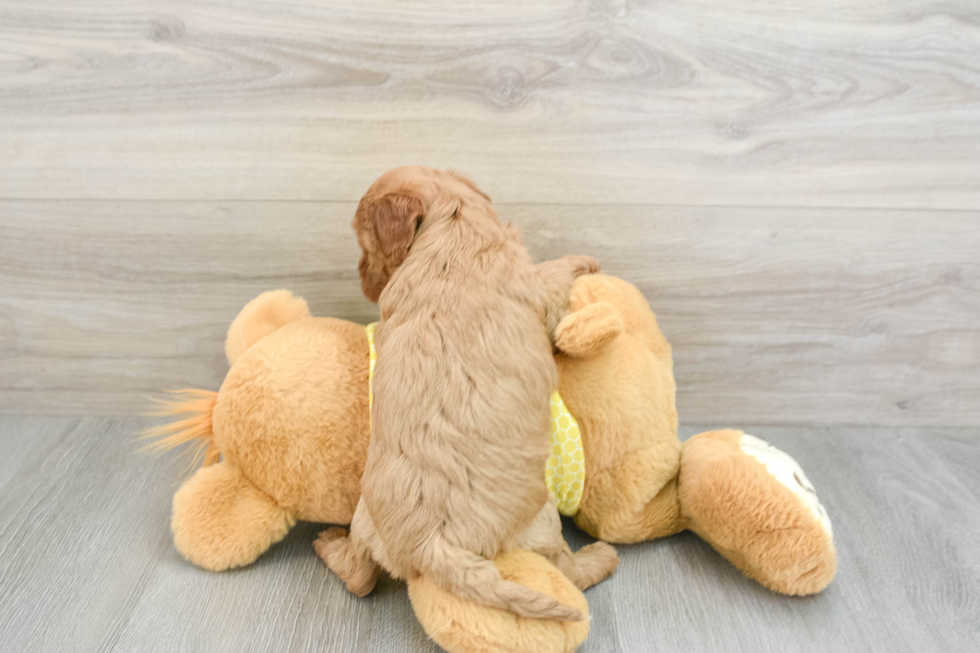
23	439
86	561
705	102
776	315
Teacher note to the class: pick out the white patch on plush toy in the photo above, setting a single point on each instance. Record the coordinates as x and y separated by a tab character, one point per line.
787	471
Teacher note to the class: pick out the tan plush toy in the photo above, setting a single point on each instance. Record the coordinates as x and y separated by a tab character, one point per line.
290	424
749	500
291	427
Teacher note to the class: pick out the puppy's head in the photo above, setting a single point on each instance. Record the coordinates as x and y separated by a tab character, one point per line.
390	214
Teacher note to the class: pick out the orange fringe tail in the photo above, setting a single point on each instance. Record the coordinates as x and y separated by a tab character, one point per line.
199	404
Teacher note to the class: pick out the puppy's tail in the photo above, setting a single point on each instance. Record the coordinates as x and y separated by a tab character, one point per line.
473	577
198	405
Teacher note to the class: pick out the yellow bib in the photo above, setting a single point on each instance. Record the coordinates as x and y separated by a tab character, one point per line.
565	471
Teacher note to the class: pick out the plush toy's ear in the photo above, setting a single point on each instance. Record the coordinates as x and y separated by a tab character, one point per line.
586	331
266	313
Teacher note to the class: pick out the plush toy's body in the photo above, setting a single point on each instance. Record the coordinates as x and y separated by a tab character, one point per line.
749	500
291	423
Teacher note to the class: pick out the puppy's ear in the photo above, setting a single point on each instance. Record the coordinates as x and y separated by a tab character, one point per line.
390	221
585	331
395	217
373	281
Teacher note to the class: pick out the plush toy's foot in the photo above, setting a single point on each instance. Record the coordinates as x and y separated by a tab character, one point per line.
755	506
462	626
354	565
220	520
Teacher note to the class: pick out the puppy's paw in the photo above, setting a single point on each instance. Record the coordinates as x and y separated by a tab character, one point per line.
582	264
602	553
596	562
329	541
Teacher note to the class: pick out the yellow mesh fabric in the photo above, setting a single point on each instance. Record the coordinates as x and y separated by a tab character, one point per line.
565	471
373	359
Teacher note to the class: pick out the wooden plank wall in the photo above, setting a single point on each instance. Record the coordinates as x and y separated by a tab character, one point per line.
795	189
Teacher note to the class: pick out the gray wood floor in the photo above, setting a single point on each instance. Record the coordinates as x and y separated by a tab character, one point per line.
86	561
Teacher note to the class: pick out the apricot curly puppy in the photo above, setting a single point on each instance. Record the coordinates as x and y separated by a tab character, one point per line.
455	467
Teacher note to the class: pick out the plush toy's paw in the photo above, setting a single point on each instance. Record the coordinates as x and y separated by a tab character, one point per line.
462	626
753	503
220	520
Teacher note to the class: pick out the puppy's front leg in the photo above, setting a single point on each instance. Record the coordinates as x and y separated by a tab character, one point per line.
558	276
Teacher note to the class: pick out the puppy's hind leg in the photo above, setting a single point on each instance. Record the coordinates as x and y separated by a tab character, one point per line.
348	556
592	564
586	567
